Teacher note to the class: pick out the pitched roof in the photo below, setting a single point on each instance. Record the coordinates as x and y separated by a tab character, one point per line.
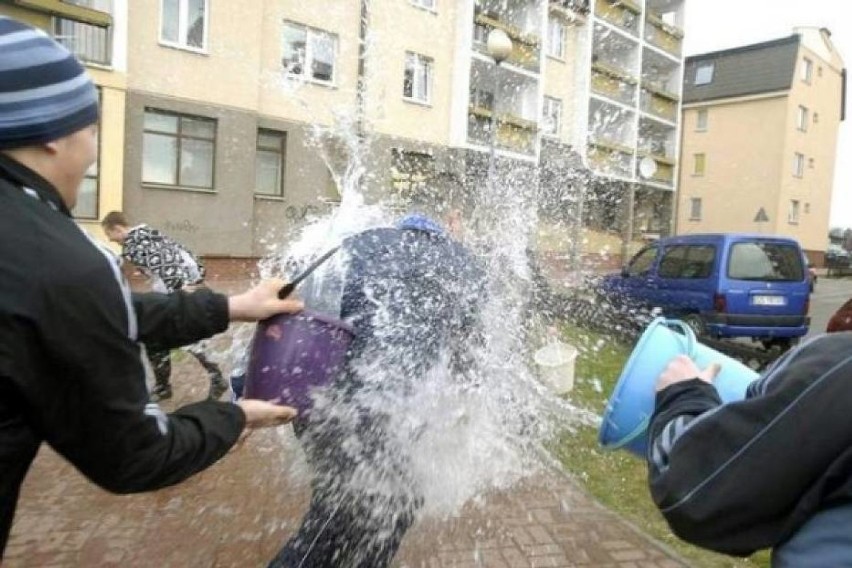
748	70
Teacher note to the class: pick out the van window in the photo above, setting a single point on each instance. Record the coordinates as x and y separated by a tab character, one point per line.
642	262
765	261
688	261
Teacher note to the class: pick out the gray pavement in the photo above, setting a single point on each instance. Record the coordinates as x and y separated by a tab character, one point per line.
239	512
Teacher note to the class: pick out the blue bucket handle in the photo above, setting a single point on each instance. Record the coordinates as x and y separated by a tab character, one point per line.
687	331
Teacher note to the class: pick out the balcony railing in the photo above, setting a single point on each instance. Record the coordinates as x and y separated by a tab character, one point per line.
660	34
623	14
664	174
513	133
578	6
612	83
610	158
526	48
659	103
91	44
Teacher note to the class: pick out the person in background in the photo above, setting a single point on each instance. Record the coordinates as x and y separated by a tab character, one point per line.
71	367
411	293
771	471
170	266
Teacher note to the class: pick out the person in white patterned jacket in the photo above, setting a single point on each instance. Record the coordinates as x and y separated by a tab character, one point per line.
170	266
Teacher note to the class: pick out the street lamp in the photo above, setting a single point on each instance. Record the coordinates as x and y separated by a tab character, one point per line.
499	47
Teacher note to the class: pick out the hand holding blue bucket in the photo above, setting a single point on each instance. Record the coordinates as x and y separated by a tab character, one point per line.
628	412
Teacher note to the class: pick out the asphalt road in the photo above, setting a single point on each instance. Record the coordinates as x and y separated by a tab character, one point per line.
830	294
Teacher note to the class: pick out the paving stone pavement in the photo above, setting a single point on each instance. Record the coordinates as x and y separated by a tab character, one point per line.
240	511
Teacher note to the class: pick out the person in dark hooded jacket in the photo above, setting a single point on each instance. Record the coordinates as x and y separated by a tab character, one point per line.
771	471
71	372
412	294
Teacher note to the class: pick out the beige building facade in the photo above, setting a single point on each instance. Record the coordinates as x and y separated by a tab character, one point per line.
760	139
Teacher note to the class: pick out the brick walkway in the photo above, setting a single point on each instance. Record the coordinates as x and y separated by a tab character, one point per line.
240	511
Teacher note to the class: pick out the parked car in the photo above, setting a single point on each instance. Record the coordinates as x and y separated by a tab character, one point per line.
841	320
724	285
836	256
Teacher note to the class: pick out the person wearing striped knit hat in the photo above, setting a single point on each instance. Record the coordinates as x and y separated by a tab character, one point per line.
71	372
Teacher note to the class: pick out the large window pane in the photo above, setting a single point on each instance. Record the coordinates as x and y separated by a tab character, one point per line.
268	173
161	122
171	21
196	163
159	159
294	44
195	24
198	128
87	199
322	66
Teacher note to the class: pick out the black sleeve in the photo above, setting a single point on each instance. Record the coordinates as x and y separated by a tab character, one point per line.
91	402
180	318
744	476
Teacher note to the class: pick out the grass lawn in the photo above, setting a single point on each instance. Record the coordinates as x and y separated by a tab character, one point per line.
618	478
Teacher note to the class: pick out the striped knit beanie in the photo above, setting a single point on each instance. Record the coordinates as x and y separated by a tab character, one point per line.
45	93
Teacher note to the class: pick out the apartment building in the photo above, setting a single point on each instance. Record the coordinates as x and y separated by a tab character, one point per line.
760	138
95	31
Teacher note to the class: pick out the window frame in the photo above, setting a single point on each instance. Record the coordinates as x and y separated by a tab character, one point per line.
183	17
798	165
802	118
547	103
307	73
281	151
692	203
794	212
418	59
422	5
701	126
699	158
96	176
563	36
711	66
807	71
179	136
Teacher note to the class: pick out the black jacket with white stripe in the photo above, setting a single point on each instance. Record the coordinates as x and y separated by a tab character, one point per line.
761	472
70	368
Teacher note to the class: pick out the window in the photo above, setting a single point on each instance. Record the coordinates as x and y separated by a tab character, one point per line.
807	70
704	73
802	119
417	81
816	117
481	98
810	163
798	165
700	164
793	214
642	262
411	173
178	150
427	4
695	209
308	53
89	192
764	260
183	23
807	208
552	116
269	163
88	42
555	38
701	120
688	261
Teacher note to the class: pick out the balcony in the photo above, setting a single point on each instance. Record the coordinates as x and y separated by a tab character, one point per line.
659	103
570	7
624	14
91	44
664	173
526	48
609	157
665	36
514	133
613	83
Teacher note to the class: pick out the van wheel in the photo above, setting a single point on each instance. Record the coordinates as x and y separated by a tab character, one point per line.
695	323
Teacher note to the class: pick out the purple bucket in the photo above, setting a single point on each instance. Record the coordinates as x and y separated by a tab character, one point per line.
293	354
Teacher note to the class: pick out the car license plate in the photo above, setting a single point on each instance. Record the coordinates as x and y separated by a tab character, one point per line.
769	301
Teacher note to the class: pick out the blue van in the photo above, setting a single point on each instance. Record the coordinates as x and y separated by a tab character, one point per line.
724	285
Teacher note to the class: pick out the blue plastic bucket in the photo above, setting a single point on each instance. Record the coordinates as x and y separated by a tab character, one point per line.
628	412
